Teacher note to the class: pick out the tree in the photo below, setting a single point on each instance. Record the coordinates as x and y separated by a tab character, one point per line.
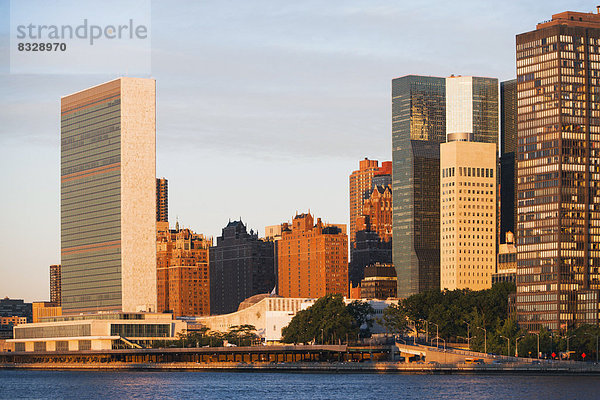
327	321
394	319
361	312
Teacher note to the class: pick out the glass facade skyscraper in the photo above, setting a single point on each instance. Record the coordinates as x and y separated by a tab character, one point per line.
418	128
108	197
558	188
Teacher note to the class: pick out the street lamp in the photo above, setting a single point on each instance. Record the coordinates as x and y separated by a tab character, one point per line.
589	334
538	343
507	345
517	345
426	329
568	337
468	339
437	334
468	328
484	338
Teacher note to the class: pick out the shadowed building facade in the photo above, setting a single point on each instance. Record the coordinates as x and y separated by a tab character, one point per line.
418	128
108	232
558	189
508	152
241	265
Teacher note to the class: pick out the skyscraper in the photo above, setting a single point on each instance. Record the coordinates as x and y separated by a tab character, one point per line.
558	158
162	200
241	265
418	128
55	287
468	215
508	151
472	109
312	259
108	192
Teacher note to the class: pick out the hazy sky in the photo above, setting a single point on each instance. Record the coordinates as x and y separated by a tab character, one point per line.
263	108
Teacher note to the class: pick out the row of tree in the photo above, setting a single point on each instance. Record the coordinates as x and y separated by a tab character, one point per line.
238	335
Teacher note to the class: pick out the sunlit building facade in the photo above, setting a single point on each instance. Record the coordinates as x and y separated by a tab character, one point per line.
468	215
182	271
558	156
108	172
312	259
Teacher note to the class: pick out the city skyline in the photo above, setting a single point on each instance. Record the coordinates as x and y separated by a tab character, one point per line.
298	139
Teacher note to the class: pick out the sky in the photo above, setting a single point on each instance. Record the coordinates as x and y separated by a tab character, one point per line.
264	108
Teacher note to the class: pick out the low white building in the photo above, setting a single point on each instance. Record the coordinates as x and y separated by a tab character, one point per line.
102	331
269	314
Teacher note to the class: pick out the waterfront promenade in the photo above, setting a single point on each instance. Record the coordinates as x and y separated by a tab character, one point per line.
397	358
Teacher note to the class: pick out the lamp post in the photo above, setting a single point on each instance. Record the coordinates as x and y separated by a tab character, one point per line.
538	343
568	337
426	329
322	337
468	335
596	336
468	339
517	345
484	338
507	345
437	334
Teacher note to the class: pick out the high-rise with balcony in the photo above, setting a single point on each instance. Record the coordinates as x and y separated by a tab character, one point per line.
418	128
558	156
108	192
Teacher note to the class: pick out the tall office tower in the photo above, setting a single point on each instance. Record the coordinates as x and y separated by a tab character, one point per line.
472	109
418	128
361	182
468	215
55	289
241	265
312	259
508	151
162	200
558	159
182	271
108	225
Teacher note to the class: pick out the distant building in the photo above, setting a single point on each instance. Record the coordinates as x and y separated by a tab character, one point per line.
507	261
182	271
55	287
312	258
43	309
380	282
15	308
241	265
368	249
162	200
377	213
468	215
108	197
14	320
361	182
